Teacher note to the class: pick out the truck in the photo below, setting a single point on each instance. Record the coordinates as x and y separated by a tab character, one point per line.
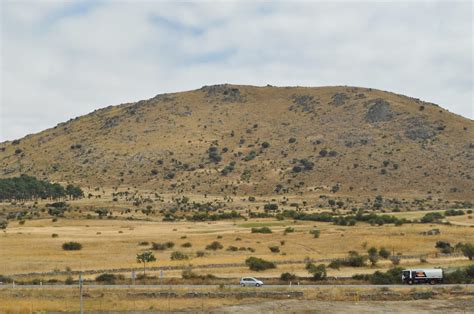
414	276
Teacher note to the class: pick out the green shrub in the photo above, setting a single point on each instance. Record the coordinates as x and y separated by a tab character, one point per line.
69	280
335	264
5	279
287	277
444	247
431	217
261	230
214	246
162	246
315	233
468	250
258	264
270	206
454	212
318	272
72	246
274	249
289	230
178	256
392	276
109	278
373	256
187	244
384	253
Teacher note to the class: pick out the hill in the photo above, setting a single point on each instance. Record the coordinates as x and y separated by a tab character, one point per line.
261	141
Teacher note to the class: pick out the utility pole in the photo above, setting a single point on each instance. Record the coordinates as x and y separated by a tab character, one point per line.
80	293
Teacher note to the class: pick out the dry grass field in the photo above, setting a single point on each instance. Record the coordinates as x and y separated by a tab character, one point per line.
114	243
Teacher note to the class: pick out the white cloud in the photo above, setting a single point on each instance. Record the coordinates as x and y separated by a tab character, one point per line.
61	59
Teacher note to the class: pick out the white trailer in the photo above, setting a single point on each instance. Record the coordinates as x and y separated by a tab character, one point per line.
413	276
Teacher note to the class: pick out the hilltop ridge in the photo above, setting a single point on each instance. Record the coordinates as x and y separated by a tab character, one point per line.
245	140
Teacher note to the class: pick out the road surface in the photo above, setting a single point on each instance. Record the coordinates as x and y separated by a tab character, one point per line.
94	286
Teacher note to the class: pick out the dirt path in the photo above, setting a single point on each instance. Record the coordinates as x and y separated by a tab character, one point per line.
297	306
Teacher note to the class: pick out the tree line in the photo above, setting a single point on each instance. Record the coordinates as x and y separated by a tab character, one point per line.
26	187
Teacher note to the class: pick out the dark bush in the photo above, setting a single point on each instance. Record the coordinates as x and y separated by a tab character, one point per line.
318	272
72	246
258	264
170	175
261	230
460	276
270	206
274	249
200	253
178	256
109	278
214	246
454	212
431	217
162	246
5	279
335	264
287	277
296	169
444	247
384	253
392	276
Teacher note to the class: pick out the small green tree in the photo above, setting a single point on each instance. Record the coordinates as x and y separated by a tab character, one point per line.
373	256
318	272
74	192
468	250
287	276
145	257
384	253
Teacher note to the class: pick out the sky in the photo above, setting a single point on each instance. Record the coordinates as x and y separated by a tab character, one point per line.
63	59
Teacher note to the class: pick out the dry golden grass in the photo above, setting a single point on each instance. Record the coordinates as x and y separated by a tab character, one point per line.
114	243
22	300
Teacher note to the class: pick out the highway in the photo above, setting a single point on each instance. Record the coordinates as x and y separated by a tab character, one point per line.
197	287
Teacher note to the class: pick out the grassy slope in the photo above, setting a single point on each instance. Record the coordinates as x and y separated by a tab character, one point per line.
121	145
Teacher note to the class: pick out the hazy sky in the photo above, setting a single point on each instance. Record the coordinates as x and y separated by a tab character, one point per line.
63	59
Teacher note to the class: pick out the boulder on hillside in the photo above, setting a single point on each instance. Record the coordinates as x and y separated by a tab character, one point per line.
379	111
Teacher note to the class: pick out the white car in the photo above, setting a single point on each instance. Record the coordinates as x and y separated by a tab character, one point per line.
250	281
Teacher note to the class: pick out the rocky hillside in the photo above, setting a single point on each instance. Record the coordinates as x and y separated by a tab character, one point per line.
245	140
